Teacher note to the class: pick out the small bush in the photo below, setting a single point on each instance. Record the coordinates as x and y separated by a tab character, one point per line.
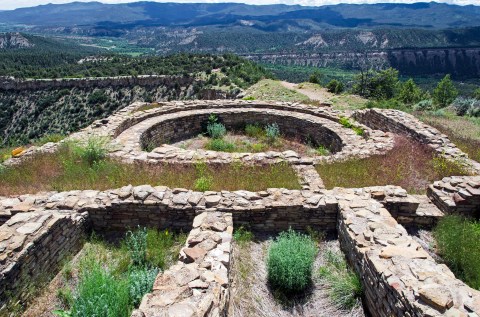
322	150
243	236
345	122
216	130
94	151
140	283
203	183
136	242
461	105
358	130
457	242
290	262
160	248
345	288
99	293
272	132
254	131
220	145
424	105
335	86
55	138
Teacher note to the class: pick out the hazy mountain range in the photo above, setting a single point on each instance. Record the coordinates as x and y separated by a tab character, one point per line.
267	17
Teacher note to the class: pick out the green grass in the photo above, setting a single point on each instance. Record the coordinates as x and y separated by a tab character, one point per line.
112	278
457	243
269	89
463	131
290	262
344	286
409	164
243	236
71	169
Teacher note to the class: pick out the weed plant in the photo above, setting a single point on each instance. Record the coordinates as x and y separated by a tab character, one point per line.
457	243
220	145
216	130
344	286
322	151
243	236
272	132
290	262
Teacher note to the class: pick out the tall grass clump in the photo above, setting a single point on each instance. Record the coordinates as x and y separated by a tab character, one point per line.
254	131
93	151
290	262
457	243
99	293
242	236
344	286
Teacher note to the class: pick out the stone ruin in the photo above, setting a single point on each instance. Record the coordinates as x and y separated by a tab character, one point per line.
399	277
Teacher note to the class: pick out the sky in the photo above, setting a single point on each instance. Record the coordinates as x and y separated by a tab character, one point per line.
13	4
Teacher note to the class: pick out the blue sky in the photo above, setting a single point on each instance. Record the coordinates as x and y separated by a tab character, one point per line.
12	4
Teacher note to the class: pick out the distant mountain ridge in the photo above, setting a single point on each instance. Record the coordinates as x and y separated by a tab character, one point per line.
144	14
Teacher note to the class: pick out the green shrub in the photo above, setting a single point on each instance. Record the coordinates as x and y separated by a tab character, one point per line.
476	94
358	130
409	92
54	137
136	242
94	151
322	150
140	283
457	243
345	288
345	122
216	130
290	262
220	145
254	131
99	293
249	98
243	236
335	86
272	132
159	248
203	183
445	92
424	105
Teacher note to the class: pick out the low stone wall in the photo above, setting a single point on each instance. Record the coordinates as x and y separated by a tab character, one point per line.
32	248
403	123
193	123
198	284
457	195
399	277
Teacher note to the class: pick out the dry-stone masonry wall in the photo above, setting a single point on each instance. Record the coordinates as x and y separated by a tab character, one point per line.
399	277
403	123
457	195
32	247
198	285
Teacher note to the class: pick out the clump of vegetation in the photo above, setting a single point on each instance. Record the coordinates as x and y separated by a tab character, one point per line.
290	262
254	131
424	105
272	132
345	288
114	279
54	137
445	92
409	164
93	152
220	145
215	129
335	87
316	77
204	180
457	243
322	151
349	125
409	93
243	236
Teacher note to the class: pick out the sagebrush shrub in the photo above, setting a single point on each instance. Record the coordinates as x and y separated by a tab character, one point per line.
290	262
216	130
424	105
140	283
462	105
272	132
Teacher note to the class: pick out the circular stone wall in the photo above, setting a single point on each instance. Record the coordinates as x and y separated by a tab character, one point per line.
190	124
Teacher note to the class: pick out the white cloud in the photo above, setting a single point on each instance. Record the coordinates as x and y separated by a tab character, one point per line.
13	4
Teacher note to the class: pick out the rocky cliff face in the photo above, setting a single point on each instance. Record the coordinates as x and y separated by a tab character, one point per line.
14	40
460	62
